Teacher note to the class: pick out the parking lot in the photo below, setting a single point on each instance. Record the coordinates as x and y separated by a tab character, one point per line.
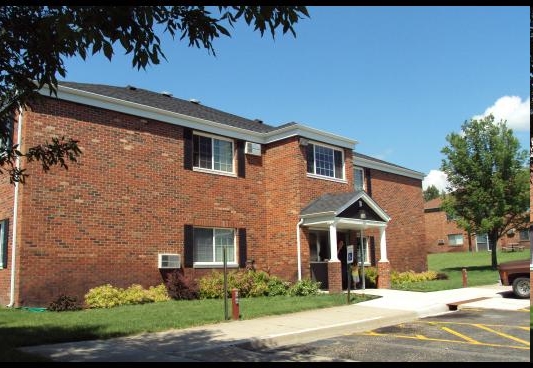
466	335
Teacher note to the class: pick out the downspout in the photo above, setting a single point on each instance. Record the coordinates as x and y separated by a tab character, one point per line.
15	216
299	248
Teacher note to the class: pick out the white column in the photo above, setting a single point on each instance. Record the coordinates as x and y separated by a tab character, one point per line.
383	244
333	241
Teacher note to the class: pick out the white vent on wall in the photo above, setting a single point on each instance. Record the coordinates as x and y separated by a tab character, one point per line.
169	260
252	148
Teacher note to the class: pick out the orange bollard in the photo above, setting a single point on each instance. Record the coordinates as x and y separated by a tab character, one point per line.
465	278
235	304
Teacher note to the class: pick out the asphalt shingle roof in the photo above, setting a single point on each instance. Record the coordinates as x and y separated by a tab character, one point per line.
329	202
173	104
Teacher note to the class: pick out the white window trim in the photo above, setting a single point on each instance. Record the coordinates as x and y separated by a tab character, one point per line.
233	264
331	178
322	177
366	246
233	173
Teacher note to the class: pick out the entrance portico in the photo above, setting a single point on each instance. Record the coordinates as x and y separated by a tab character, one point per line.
345	213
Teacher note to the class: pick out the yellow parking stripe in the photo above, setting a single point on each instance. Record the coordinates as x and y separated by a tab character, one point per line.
502	334
460	335
372	333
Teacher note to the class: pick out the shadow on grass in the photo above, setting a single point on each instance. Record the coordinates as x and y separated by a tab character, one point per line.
186	345
470	268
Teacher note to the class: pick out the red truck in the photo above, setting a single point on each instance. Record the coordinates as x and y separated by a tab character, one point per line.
516	273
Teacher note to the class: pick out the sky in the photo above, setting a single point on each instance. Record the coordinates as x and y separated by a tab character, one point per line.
397	80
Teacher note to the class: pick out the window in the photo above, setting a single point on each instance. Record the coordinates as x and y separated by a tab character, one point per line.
365	250
359	178
212	153
209	244
455	239
524	234
7	137
3	242
482	242
325	161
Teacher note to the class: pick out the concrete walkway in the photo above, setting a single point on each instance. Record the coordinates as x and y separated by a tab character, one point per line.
391	308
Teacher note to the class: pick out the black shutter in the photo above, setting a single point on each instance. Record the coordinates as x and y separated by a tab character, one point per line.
337	158
188	245
242	248
188	149
4	225
310	159
368	180
241	163
372	252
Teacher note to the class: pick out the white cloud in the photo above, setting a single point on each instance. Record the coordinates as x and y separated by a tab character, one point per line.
512	109
437	178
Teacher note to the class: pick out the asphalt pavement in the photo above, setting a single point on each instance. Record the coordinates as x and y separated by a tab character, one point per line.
392	307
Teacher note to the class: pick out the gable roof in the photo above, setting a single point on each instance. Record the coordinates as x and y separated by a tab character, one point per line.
169	103
337	204
373	163
434	203
165	108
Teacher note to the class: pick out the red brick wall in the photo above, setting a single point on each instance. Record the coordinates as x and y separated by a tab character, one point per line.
288	190
107	218
401	198
7	194
438	227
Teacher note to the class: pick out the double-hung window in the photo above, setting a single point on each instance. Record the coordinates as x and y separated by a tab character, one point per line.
359	178
213	153
325	161
3	243
210	243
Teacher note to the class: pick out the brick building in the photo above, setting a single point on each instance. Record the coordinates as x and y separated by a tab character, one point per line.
443	234
167	183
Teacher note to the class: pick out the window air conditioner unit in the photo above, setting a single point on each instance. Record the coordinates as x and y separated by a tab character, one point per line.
440	242
169	260
252	148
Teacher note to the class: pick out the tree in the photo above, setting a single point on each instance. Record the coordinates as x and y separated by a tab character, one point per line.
431	192
488	179
36	39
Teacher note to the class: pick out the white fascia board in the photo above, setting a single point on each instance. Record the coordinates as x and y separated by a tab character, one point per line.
345	223
312	134
148	112
363	162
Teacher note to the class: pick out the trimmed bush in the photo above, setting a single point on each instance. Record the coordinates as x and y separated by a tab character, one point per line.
64	303
105	296
180	287
158	293
304	287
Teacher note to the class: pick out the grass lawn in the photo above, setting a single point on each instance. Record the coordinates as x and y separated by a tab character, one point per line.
477	265
20	327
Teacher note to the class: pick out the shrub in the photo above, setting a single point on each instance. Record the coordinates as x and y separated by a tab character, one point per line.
304	287
212	286
181	287
277	286
406	277
105	296
64	303
158	293
371	276
135	294
249	282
